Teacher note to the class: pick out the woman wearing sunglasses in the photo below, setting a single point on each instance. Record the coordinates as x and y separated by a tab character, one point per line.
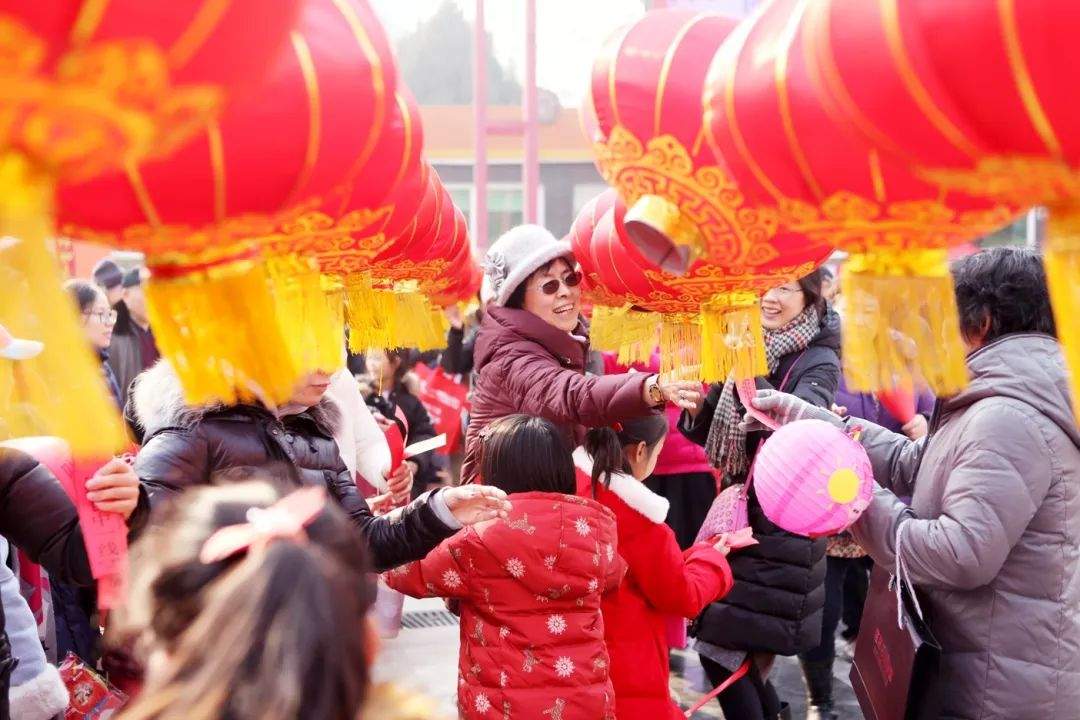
531	350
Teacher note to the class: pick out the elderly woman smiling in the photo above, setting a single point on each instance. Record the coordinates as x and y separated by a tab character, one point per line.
531	349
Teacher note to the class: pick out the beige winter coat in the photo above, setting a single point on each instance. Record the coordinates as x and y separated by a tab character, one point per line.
991	536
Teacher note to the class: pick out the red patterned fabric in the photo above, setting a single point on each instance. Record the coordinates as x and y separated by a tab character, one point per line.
532	636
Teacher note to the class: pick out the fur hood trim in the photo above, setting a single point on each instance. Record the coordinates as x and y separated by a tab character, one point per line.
157	402
630	490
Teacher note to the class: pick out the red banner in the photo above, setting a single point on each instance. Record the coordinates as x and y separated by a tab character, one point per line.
446	401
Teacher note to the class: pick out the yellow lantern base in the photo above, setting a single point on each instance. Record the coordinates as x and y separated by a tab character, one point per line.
310	310
630	333
901	323
680	347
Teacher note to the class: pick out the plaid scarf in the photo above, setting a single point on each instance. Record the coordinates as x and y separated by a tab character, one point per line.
726	446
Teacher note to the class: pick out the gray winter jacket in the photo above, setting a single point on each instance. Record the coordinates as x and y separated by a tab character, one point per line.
991	537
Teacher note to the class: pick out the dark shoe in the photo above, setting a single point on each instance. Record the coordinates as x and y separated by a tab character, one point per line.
785	712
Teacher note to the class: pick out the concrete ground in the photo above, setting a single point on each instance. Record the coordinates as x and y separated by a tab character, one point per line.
424	659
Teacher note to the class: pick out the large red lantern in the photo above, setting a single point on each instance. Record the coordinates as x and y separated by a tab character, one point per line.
686	213
975	95
765	116
86	86
204	215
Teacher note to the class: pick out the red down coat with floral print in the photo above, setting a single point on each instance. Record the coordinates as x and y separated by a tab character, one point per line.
532	636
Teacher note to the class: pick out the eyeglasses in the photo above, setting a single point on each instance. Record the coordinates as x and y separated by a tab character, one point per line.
570	280
105	317
783	292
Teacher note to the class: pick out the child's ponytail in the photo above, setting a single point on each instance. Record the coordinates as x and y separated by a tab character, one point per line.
607	445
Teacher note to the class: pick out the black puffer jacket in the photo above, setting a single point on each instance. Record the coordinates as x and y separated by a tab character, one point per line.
186	446
777	602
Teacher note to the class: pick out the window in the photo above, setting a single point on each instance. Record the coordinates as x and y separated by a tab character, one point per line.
583	193
505	207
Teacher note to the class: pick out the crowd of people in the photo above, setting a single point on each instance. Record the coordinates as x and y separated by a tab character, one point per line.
564	533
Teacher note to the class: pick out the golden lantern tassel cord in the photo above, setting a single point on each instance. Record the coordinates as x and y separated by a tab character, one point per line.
60	392
1062	260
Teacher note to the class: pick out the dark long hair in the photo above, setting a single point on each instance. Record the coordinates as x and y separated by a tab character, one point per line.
275	633
83	293
607	446
813	293
521	453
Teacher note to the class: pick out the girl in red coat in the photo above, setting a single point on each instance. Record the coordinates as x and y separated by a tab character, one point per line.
532	636
661	580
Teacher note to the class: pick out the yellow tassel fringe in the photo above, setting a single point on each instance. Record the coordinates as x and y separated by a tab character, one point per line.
680	347
385	317
60	392
1062	261
219	327
310	309
901	323
731	338
630	333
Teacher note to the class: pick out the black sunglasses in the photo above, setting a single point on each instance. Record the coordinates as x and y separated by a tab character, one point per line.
571	279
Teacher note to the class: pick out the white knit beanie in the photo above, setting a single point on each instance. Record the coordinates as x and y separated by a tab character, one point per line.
517	254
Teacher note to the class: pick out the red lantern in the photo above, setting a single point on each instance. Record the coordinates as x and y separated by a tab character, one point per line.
86	86
646	91
975	96
198	214
91	85
766	118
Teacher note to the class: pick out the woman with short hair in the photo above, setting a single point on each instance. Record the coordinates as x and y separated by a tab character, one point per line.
530	352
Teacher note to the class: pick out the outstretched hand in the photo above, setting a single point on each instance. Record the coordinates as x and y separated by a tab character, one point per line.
471	504
784	408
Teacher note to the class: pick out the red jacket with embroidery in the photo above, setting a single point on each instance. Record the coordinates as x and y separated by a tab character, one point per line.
532	636
661	581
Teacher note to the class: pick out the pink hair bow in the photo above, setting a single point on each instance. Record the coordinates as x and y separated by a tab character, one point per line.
284	520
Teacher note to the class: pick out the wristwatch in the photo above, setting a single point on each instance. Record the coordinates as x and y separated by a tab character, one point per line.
652	387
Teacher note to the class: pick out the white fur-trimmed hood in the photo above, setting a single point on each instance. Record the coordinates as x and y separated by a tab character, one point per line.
630	490
157	401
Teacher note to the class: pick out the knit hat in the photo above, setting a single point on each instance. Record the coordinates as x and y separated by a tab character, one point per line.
517	254
107	274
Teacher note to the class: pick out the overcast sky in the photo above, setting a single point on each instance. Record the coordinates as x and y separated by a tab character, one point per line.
569	33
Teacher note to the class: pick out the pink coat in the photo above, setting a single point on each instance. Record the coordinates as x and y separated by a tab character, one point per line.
532	636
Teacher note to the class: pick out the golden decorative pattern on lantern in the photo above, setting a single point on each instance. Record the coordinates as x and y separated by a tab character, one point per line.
1012	179
860	224
107	100
733	233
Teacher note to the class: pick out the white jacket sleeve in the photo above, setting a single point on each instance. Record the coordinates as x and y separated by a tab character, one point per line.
361	443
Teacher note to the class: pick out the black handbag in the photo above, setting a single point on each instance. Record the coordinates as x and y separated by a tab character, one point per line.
895	673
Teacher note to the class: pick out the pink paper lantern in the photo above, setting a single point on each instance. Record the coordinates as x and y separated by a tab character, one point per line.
812	479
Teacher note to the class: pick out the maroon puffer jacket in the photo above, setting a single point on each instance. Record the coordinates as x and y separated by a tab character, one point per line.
526	365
